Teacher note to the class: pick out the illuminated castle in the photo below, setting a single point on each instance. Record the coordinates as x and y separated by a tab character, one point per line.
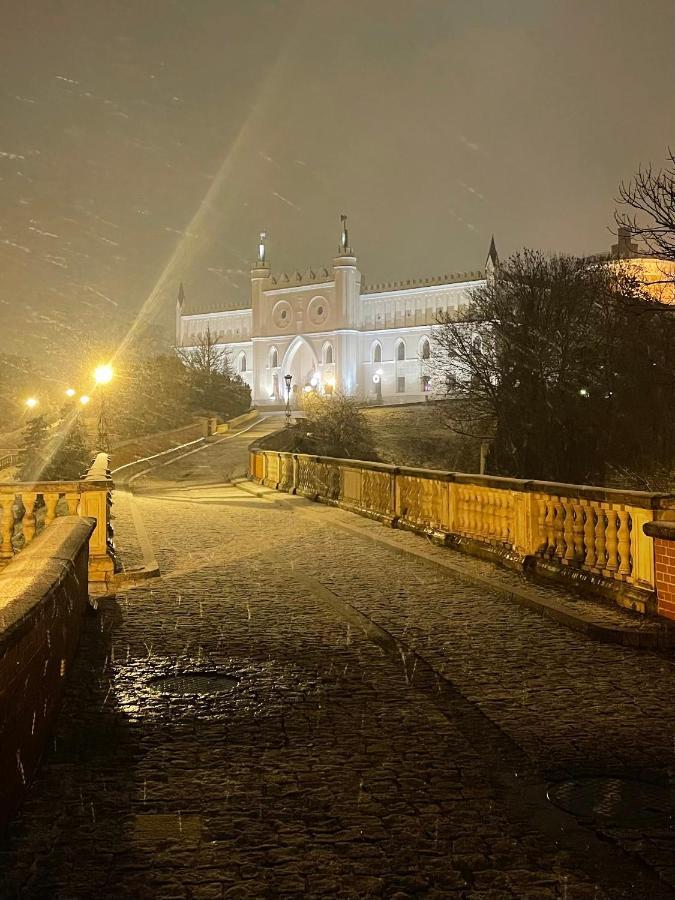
330	331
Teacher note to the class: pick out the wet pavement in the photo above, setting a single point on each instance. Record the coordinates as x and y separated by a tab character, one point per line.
387	729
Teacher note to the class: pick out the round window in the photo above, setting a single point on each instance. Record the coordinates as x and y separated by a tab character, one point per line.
318	310
281	314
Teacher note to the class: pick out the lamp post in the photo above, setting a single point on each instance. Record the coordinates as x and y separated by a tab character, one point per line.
288	379
377	381
102	376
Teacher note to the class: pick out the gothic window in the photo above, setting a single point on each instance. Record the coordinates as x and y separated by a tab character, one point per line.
328	353
425	351
242	362
377	352
274	358
400	351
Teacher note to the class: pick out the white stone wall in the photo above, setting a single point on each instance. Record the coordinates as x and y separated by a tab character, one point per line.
326	331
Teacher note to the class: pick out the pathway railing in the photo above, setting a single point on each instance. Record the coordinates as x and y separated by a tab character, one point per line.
27	508
595	531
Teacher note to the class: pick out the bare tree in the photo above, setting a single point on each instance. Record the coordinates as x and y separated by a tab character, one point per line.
564	365
650	215
206	357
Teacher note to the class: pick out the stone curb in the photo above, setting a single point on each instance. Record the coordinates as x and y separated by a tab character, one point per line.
657	638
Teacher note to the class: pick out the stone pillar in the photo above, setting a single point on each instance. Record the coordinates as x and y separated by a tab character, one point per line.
259	322
663	534
347	302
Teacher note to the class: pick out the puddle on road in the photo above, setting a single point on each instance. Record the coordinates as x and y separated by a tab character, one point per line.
192	683
614	800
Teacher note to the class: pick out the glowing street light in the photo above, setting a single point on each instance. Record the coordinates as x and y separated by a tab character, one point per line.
70	392
84	399
31	402
103	374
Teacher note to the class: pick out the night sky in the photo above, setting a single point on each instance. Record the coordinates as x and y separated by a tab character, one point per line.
142	143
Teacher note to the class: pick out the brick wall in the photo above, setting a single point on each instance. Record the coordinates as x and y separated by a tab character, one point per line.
43	596
664	558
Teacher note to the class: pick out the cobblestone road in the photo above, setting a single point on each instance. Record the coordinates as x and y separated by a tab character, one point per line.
390	734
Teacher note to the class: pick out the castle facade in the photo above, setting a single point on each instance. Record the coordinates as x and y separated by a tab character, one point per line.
330	332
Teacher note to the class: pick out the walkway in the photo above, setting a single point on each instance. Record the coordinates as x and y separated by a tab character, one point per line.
391	733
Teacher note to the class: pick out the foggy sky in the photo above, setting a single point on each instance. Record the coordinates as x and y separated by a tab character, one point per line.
432	123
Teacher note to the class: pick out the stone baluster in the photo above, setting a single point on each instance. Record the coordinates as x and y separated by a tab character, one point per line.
496	515
542	536
624	544
578	532
51	500
73	502
7	505
28	499
478	506
479	511
558	529
612	541
507	515
550	526
568	530
600	539
589	534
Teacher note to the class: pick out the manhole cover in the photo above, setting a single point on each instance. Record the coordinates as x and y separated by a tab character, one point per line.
194	683
615	799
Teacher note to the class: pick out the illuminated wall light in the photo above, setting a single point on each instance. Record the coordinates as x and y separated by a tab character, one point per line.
70	392
31	403
84	399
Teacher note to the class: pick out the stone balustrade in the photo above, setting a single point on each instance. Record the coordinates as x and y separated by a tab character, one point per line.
590	535
28	508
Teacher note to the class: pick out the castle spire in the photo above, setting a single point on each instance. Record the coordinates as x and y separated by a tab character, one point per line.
344	249
493	256
262	250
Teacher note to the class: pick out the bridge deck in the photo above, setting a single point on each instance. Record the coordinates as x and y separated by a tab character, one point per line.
391	733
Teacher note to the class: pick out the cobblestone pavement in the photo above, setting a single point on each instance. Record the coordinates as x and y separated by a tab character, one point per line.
390	733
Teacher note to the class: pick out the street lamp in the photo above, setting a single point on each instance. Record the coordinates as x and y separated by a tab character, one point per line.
70	392
288	379
377	381
31	402
103	375
84	399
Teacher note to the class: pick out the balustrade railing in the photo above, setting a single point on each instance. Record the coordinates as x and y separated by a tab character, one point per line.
592	529
27	508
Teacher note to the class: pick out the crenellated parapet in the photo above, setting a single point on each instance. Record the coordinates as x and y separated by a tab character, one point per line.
454	278
308	277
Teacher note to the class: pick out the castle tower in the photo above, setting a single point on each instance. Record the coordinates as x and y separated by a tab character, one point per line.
260	274
347	299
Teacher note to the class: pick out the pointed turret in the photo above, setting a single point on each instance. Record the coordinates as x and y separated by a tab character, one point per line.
493	256
180	302
492	261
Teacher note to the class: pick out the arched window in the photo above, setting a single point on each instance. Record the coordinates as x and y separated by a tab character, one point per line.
425	350
242	362
400	350
376	352
328	353
274	358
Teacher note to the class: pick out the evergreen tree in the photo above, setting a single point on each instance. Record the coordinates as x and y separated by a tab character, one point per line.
34	452
71	457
